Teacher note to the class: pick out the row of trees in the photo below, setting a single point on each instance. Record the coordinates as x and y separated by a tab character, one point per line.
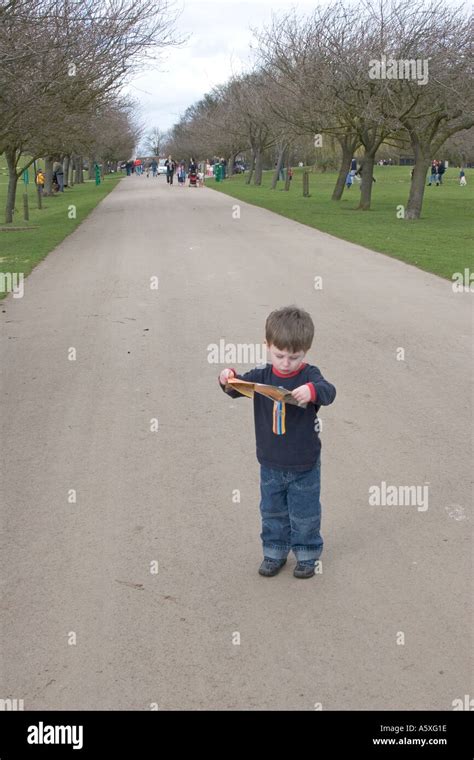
63	64
329	78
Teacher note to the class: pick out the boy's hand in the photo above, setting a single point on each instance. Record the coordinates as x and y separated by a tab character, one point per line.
302	394
224	376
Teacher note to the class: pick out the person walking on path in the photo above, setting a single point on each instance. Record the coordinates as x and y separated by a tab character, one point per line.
288	444
181	174
170	169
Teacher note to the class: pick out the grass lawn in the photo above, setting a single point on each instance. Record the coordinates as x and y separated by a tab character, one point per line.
440	242
21	251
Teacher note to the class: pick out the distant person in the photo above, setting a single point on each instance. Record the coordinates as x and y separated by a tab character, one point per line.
154	167
223	163
170	170
441	171
181	174
349	180
193	169
434	173
54	183
40	180
462	178
281	174
58	171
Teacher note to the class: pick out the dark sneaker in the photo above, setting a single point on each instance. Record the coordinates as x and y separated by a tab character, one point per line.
304	570
271	567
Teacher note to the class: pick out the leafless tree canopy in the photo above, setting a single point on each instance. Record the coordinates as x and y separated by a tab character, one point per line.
63	65
330	74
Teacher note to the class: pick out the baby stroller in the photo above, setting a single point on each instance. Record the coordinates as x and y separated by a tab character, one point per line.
192	178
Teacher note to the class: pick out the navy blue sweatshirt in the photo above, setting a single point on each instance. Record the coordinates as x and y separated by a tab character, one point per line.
299	447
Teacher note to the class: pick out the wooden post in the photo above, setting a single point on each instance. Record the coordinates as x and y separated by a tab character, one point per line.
306	184
26	215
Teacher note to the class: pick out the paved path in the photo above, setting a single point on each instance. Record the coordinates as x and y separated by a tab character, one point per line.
166	496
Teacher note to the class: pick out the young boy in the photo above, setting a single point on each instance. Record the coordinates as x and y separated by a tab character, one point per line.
288	445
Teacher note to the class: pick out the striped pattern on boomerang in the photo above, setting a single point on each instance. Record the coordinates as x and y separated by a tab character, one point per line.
280	397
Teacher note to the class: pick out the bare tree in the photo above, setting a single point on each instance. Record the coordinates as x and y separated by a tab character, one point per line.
307	59
322	67
431	96
155	140
60	59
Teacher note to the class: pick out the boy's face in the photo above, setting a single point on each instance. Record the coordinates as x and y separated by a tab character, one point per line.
285	361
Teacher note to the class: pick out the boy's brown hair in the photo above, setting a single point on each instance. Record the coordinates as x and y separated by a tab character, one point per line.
289	329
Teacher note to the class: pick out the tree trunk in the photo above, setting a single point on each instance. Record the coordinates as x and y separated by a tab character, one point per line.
11	159
276	173
367	173
252	167
66	170
77	173
258	167
418	182
288	165
71	167
91	167
48	176
348	144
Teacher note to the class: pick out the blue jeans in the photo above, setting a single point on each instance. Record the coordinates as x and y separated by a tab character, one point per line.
291	513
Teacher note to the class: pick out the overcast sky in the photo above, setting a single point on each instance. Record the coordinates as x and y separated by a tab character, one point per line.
218	46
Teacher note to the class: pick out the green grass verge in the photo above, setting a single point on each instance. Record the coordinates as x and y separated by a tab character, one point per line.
22	251
439	242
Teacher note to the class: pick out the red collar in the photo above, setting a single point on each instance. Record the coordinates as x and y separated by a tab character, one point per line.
288	374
